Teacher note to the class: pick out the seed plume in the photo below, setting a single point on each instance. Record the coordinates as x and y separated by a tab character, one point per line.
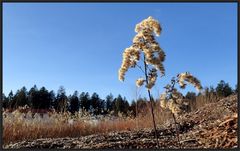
144	42
186	76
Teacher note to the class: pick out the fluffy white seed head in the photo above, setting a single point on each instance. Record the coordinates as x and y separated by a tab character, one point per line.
149	24
152	77
186	76
176	94
130	58
139	82
163	101
144	42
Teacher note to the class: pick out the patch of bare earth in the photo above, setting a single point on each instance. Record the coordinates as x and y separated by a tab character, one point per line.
211	126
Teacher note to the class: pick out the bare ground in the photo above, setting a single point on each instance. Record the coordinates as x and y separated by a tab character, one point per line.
211	126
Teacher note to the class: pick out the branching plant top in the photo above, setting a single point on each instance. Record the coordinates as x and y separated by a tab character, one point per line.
144	42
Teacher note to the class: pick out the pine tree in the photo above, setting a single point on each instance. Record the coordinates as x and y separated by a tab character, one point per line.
74	102
109	102
61	100
223	89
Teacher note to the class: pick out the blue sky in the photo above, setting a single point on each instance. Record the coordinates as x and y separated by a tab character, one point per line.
80	45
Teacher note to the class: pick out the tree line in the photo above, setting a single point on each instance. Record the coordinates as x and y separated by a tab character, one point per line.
43	99
223	89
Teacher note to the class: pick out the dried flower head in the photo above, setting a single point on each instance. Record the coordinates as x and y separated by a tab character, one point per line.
172	99
163	100
145	42
152	77
176	94
176	109
149	24
172	105
130	58
186	76
139	82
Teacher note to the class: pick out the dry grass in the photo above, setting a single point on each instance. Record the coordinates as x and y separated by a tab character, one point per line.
162	115
17	128
202	100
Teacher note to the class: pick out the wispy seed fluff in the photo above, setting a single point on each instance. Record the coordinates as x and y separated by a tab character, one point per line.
145	42
130	58
176	94
151	24
152	77
171	105
174	107
163	101
140	82
186	76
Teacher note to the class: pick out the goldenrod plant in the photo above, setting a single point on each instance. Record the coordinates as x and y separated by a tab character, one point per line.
144	45
172	99
147	50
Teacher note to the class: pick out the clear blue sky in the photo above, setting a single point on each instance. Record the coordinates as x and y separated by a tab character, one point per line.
80	45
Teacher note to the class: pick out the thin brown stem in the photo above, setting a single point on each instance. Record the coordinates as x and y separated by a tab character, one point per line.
137	108
151	103
174	118
144	62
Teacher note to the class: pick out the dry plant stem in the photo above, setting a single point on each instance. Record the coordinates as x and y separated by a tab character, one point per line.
176	130
151	102
136	108
174	118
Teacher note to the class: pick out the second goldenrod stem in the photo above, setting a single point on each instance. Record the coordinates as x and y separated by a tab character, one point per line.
177	131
